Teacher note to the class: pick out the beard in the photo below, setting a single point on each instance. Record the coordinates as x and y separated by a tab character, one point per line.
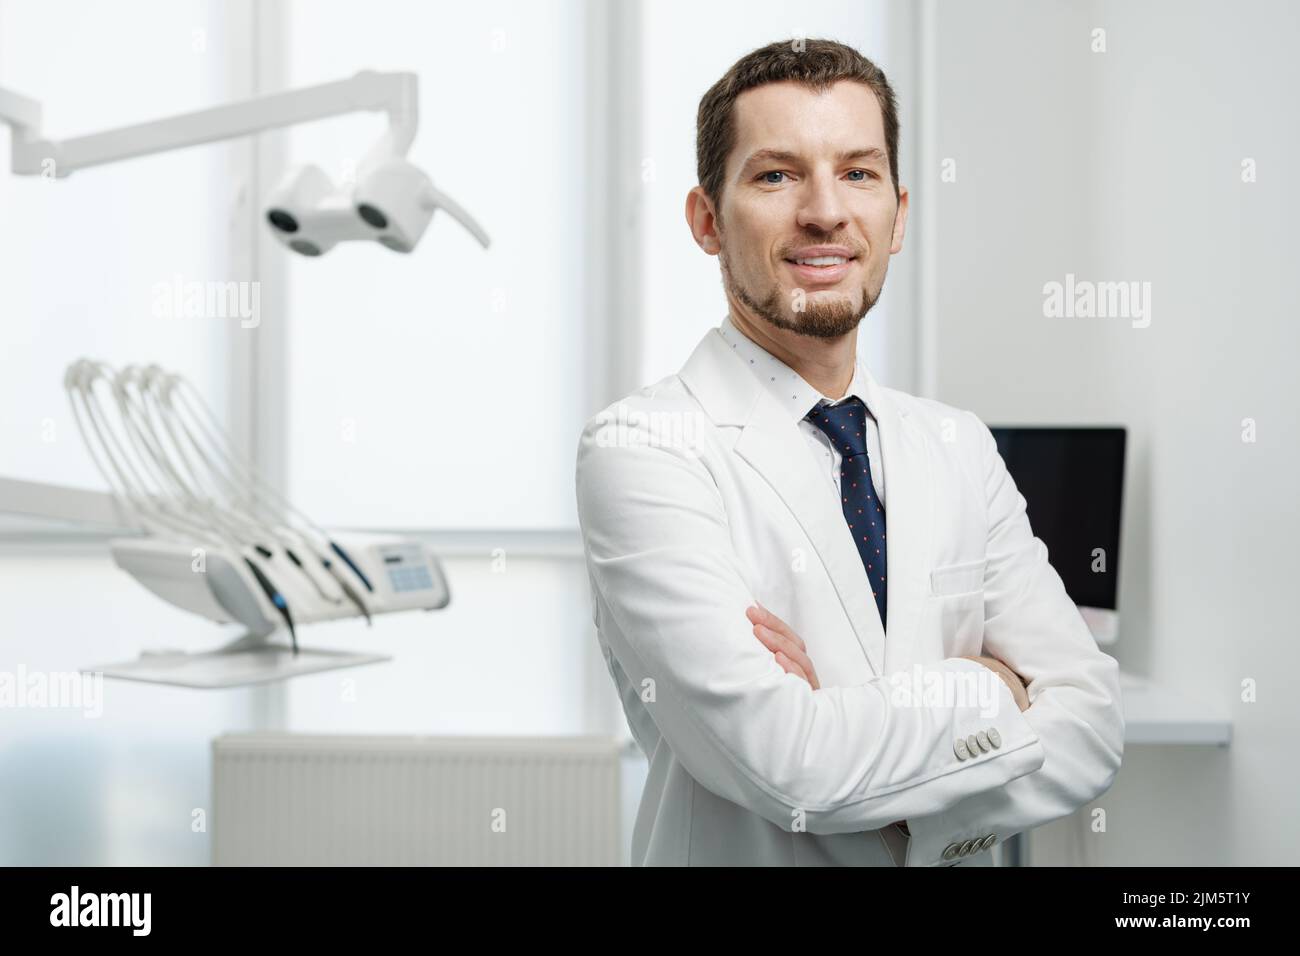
822	317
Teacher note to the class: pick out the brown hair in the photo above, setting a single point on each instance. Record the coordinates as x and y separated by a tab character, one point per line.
816	64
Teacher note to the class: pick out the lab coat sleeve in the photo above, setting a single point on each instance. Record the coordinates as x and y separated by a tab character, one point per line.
670	596
1033	626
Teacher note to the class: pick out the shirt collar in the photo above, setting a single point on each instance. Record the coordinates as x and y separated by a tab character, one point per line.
789	388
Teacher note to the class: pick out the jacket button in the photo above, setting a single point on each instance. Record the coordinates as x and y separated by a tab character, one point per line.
995	738
966	848
973	745
983	739
959	748
950	851
989	841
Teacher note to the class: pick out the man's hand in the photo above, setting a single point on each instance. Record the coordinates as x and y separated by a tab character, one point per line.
789	649
1009	677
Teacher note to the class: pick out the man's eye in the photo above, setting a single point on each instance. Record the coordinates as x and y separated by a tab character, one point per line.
771	172
864	172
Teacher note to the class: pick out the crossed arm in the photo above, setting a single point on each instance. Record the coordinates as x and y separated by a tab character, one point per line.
792	654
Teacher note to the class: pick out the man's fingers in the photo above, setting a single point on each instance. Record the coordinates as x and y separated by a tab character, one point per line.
790	666
761	615
779	637
793	667
780	644
771	639
777	624
777	641
1015	683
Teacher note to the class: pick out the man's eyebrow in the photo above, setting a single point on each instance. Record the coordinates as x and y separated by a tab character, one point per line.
873	153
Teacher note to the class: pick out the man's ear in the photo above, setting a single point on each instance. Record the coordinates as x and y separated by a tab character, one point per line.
900	221
702	220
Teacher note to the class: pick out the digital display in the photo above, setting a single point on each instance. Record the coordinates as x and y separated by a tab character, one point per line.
408	570
1072	480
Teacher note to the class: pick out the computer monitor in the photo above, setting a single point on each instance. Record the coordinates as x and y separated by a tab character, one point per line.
1072	479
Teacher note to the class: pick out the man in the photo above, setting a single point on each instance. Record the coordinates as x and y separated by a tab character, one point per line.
833	633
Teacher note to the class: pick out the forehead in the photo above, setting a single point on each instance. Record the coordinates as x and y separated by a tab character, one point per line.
794	117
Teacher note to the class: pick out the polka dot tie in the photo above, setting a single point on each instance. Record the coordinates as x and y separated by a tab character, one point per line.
846	426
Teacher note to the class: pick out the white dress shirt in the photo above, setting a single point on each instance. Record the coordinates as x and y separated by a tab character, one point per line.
799	398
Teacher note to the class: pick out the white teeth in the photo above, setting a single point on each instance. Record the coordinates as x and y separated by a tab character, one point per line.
822	261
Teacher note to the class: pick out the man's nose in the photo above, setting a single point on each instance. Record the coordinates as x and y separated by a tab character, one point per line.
822	207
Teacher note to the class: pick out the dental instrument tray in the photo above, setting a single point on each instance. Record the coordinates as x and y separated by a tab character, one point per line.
218	541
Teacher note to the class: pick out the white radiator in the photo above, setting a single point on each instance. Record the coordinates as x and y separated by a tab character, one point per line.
294	799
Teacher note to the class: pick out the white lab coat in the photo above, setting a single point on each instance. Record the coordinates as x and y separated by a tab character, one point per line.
697	497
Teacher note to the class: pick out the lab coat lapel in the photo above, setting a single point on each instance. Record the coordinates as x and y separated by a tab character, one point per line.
773	444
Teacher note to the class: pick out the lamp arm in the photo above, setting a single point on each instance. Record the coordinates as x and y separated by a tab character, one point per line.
368	91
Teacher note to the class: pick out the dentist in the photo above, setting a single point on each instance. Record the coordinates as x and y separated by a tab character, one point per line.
834	635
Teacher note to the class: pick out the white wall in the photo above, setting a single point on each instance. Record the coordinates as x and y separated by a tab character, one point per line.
1126	165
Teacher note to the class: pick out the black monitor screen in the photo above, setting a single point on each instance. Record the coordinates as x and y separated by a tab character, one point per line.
1073	483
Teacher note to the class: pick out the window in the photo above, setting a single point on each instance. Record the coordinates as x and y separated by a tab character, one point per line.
85	261
446	389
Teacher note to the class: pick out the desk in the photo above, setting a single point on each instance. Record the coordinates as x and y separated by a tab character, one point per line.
1154	714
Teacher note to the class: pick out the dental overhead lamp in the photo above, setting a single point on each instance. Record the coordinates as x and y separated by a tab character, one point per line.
210	536
391	201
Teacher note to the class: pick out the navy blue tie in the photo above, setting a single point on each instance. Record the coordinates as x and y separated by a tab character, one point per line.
846	426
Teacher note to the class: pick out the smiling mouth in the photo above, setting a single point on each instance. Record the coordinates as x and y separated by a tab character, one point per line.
822	262
814	272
